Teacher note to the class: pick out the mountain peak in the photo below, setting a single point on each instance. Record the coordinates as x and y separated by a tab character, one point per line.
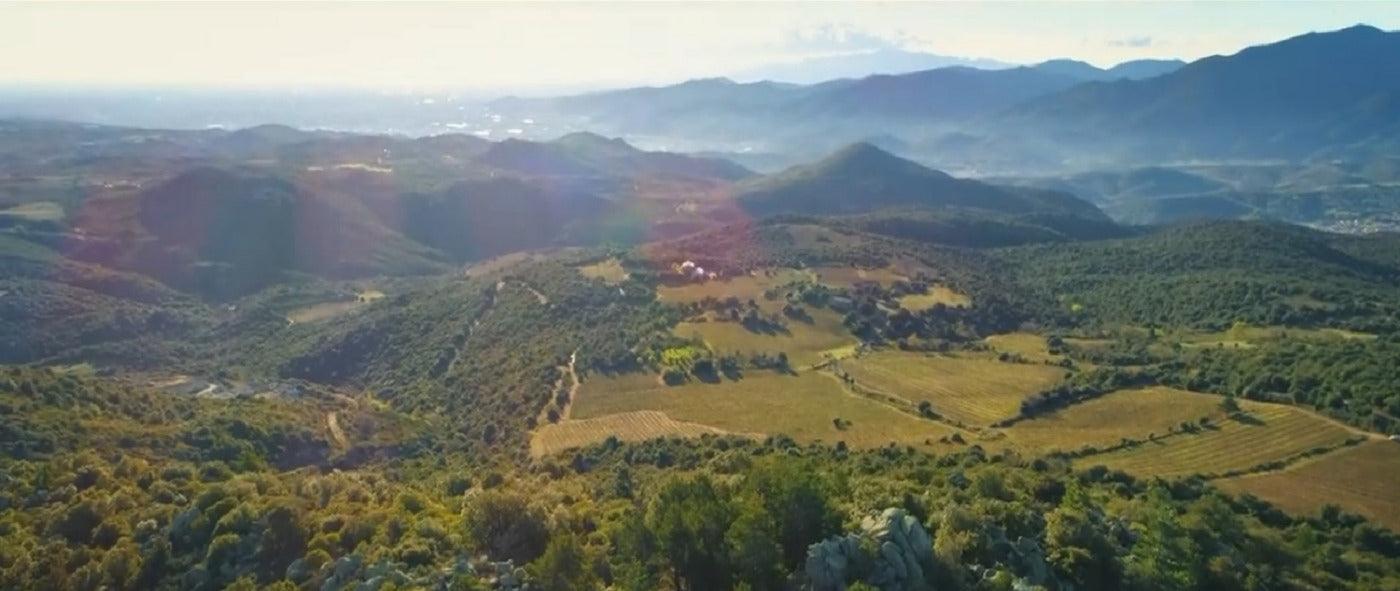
867	159
588	138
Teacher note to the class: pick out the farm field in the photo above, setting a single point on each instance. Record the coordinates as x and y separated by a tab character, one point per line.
1361	479
609	270
968	390
804	343
628	426
1108	419
803	407
1278	433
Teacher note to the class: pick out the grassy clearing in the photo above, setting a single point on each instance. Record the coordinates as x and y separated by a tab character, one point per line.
40	211
849	276
1277	433
325	310
1364	480
1244	335
936	295
1108	419
973	391
805	344
628	426
810	236
1028	346
803	407
500	263
609	271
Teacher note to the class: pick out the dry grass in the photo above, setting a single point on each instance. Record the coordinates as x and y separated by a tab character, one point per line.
628	426
805	344
1364	480
936	295
803	407
1108	419
1277	432
973	391
609	270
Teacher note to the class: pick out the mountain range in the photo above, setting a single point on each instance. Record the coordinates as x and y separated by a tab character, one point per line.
1316	96
225	213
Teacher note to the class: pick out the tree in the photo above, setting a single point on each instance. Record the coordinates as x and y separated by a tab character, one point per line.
563	566
283	541
1076	546
796	499
690	518
506	526
1229	405
752	550
1163	557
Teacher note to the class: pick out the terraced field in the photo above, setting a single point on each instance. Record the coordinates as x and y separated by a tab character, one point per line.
804	343
805	407
1364	480
1277	432
628	426
1108	419
969	390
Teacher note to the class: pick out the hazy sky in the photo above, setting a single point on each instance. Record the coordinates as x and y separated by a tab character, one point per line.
522	45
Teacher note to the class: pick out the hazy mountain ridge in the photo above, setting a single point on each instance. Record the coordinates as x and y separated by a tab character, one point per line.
861	178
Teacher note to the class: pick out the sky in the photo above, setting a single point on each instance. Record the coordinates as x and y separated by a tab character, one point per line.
518	46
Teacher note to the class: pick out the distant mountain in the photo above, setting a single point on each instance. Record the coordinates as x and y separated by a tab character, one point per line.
863	178
1072	68
1131	70
798	121
583	154
861	64
941	94
1146	68
1312	95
